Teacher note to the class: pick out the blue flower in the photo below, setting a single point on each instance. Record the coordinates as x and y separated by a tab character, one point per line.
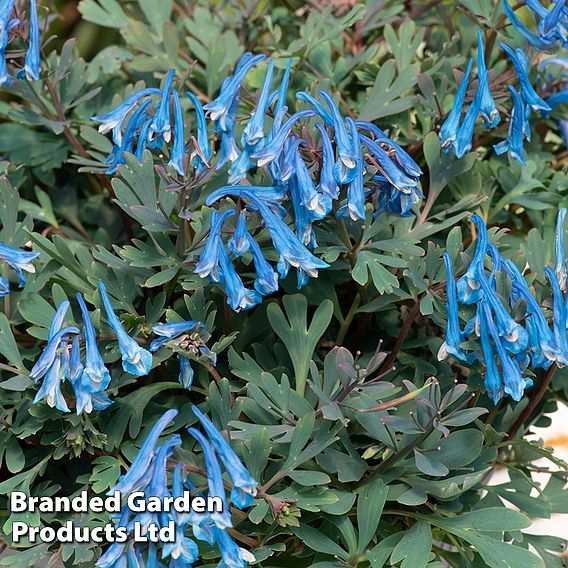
5	78
266	281
209	260
514	383
239	242
228	151
95	373
514	143
253	133
273	148
355	208
454	337
238	296
320	109
468	286
232	556
161	125
559	250
520	63
463	142
6	8
558	317
113	120
32	65
130	481
327	183
403	159
240	166
135	359
218	110
51	386
292	252
388	167
201	158
487	106
86	400
19	260
220	519
283	90
449	130
553	25
492	379
535	40
186	372
244	486
171	330
178	149
4	287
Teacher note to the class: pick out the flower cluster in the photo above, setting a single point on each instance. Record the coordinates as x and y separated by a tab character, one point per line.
507	347
31	68
458	136
149	474
552	24
20	261
189	337
89	377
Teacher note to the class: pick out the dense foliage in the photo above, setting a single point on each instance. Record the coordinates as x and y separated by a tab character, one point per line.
314	248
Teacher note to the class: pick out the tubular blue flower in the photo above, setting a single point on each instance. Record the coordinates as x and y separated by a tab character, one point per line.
50	389
558	317
253	133
449	130
142	139
302	216
113	120
327	183
87	401
209	260
520	63
49	355
559	250
240	167
221	519
514	383
454	338
229	151
6	8
186	372
75	368
283	90
171	330
218	109
244	486
552	26
284	166
309	197
5	78
19	260
321	111
292	252
468	286
273	148
401	156
232	556
239	242
201	158
534	39
388	168
492	379
135	359
161	125
487	106
514	143
238	296
4	287
32	65
557	98
390	199
178	149
96	375
355	208
462	143
266	281
342	142
139	467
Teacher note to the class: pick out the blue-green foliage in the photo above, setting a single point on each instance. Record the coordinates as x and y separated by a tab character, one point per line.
238	285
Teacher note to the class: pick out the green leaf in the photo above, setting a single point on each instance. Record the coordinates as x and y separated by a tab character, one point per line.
384	99
292	328
107	13
318	541
370	505
8	346
414	548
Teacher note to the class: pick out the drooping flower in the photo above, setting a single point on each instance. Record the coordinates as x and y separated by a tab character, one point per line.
5	78
520	63
283	90
514	142
253	133
19	260
95	374
239	243
266	281
559	250
161	127
487	106
449	130
201	158
327	183
178	148
232	555
468	286
244	486
463	142
320	109
4	287
32	65
138	469
135	359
